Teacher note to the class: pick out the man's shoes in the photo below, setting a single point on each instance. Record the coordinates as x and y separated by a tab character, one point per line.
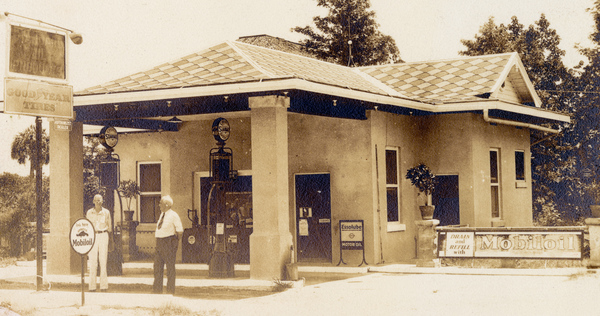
91	290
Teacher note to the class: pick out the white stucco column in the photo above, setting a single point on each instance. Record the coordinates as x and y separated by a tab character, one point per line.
66	197
594	230
271	238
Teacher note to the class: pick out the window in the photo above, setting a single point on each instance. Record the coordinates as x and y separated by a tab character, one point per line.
150	191
495	182
392	187
520	165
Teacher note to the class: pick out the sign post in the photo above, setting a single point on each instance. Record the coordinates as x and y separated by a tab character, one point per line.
352	238
82	237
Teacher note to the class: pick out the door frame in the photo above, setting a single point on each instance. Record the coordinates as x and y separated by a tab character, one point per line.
458	197
295	210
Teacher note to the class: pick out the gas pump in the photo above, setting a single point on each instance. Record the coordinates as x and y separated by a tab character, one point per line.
221	263
109	178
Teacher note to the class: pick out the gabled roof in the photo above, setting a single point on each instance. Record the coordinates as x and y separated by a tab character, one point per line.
454	80
434	86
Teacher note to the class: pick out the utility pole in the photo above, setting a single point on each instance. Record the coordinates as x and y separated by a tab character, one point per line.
38	203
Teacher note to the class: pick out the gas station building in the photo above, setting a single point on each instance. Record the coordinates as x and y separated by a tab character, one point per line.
313	143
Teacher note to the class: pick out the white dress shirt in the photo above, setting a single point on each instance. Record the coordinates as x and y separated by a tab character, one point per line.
100	220
171	224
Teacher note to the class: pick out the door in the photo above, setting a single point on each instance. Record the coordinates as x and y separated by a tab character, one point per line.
446	201
313	217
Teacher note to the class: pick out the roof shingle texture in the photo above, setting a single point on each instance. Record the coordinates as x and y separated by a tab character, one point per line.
454	80
235	62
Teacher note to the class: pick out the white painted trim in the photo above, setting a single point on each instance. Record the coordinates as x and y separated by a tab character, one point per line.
299	84
395	227
487	118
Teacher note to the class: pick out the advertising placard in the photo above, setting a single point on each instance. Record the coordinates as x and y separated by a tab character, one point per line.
510	243
351	235
82	236
522	244
37	52
28	97
459	244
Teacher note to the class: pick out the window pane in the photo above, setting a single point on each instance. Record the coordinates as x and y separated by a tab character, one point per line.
391	165
149	210
520	165
494	166
150	177
392	204
495	202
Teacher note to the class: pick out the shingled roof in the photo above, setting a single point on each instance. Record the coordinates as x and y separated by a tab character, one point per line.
463	79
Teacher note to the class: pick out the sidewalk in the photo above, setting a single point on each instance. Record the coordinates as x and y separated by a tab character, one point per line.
382	290
196	275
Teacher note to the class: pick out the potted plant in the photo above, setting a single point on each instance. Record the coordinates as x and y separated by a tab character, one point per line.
129	190
425	181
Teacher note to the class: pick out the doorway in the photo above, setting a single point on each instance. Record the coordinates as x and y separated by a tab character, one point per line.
313	217
446	201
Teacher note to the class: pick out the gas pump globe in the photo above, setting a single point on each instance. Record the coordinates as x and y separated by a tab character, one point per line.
221	171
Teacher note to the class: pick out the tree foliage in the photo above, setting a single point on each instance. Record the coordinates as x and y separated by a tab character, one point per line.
559	194
24	146
349	20
93	154
18	208
587	143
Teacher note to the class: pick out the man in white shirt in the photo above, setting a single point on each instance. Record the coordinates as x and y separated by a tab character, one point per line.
167	233
100	218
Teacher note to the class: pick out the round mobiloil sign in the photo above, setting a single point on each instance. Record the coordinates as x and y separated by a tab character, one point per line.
83	236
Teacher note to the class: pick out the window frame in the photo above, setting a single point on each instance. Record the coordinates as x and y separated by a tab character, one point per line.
522	167
496	184
148	193
393	226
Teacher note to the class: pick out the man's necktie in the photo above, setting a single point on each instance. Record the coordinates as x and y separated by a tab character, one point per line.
160	220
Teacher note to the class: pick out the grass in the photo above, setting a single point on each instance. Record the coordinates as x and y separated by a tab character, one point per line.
7	262
581	274
171	309
280	286
8	306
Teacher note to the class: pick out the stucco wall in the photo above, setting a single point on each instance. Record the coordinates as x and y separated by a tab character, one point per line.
451	144
459	144
340	147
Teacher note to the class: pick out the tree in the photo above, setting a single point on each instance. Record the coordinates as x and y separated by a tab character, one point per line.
587	143
348	20
93	154
18	209
557	189
23	148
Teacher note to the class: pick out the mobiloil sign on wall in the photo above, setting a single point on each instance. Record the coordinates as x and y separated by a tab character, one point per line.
548	243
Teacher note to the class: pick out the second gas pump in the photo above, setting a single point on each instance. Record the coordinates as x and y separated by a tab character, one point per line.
221	263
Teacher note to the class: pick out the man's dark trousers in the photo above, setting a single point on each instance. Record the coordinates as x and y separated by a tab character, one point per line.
166	250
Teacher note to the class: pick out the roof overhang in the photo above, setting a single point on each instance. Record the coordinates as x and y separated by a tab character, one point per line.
280	85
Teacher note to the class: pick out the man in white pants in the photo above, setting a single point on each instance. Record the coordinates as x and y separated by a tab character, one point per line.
100	218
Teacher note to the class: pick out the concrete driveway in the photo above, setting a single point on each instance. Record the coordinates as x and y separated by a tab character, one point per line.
375	293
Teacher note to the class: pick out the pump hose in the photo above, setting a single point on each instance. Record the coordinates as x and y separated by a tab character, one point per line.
208	218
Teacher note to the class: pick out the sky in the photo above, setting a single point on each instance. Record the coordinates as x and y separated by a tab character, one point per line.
124	37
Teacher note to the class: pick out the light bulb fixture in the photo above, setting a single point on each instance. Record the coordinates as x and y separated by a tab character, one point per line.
174	119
